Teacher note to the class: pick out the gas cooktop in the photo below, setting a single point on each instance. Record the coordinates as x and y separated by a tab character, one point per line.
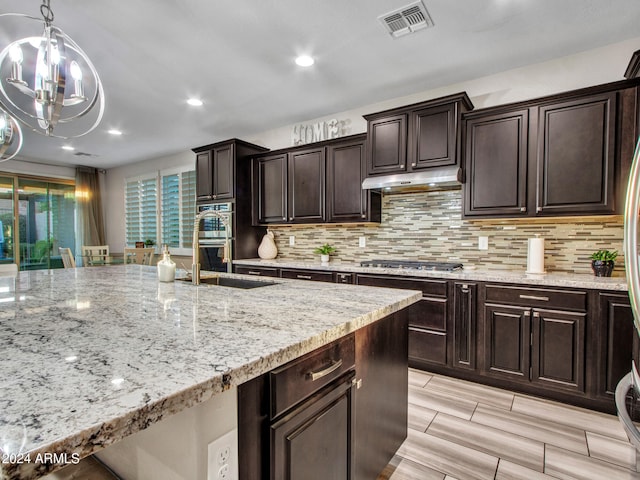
413	265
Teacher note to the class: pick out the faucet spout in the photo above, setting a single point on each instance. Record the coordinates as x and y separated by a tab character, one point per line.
225	219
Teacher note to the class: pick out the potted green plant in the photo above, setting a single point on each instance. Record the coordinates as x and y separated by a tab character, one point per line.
602	262
324	251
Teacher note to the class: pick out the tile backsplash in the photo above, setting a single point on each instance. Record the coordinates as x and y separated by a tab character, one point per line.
429	226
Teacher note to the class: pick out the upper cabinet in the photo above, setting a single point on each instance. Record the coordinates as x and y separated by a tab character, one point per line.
560	155
314	184
418	136
217	176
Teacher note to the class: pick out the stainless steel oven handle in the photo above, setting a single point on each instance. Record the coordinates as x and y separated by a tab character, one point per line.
630	242
325	371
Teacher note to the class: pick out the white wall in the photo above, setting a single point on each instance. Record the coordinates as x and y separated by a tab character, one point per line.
602	65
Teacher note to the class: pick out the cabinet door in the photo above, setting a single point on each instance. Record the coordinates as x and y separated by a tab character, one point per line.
432	138
306	190
223	161
576	152
615	337
507	337
271	189
496	164
464	325
387	145
557	349
204	176
346	200
314	442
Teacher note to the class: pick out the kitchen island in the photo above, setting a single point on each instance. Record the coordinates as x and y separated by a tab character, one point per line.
94	355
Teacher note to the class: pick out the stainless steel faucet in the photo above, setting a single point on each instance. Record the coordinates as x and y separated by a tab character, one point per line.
225	219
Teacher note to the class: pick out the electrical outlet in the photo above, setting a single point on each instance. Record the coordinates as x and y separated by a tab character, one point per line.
223	457
292	240
362	242
483	243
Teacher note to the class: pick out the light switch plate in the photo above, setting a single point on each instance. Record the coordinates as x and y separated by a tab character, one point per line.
292	240
483	243
362	242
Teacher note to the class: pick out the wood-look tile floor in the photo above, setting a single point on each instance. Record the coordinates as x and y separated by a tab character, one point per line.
461	430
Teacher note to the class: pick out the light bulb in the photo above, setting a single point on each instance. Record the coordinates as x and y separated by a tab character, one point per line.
55	55
76	71
15	53
3	122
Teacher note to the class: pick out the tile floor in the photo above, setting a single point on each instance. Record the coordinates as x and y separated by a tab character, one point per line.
461	430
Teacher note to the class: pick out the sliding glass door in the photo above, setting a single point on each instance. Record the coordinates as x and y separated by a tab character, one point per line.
46	222
7	220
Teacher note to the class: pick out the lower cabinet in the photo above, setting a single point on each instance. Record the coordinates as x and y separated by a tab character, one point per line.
428	341
526	343
339	412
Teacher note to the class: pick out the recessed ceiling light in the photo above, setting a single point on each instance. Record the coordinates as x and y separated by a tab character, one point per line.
67	147
304	61
113	131
195	102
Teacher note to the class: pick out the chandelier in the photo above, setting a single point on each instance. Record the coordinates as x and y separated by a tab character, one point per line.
10	137
47	82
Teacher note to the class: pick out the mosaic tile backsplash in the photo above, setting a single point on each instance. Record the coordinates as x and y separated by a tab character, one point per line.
429	226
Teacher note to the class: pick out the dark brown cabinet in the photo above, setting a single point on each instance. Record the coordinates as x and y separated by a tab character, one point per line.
318	418
496	153
215	172
575	155
314	184
257	271
418	136
346	200
559	155
306	186
536	335
615	351
465	297
427	318
270	189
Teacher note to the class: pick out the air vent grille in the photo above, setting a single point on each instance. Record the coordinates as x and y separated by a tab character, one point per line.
405	20
84	154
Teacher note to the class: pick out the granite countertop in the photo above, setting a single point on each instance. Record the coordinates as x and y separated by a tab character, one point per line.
92	355
480	275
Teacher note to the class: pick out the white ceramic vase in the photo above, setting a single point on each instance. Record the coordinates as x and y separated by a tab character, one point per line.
267	249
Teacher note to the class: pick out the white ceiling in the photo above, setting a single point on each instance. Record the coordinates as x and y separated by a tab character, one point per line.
238	56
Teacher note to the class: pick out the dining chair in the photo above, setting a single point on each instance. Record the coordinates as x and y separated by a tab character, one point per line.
8	269
95	254
67	257
141	256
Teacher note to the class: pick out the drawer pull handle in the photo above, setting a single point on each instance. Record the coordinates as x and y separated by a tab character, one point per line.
324	372
304	277
534	297
253	272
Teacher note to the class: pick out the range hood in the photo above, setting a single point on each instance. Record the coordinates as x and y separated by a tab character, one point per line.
427	179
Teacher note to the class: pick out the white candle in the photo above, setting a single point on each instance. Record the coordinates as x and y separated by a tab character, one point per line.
535	255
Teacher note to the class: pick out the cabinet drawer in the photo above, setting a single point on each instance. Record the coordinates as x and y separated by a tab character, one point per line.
537	297
344	277
427	346
437	288
429	313
258	271
298	379
307	275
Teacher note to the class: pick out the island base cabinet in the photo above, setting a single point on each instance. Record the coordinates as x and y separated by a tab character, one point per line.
349	429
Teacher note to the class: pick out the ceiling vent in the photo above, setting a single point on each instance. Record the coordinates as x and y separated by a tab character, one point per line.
84	154
405	20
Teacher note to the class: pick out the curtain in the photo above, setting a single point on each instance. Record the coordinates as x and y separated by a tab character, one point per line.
90	220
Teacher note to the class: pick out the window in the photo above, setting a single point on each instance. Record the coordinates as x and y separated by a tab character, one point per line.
161	207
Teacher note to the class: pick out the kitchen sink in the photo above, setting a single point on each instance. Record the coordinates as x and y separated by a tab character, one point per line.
230	282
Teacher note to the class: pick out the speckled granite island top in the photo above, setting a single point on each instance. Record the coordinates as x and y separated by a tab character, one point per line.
92	355
480	275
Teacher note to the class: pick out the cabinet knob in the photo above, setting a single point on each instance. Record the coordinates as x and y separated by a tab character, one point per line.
523	209
402	166
363	216
215	196
538	209
284	218
413	164
291	219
